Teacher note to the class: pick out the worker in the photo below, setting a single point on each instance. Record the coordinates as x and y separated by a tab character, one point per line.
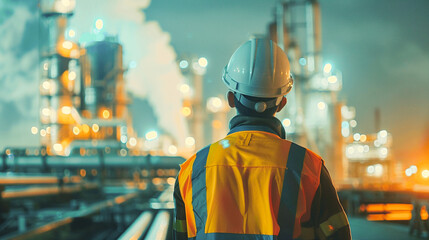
254	184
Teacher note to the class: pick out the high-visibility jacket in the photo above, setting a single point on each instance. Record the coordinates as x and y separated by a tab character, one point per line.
253	185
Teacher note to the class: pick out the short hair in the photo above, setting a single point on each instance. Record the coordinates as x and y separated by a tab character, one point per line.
242	110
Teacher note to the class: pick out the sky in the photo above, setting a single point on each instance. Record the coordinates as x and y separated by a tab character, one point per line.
380	47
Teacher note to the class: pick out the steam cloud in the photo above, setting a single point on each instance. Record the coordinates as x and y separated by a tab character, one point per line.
18	72
156	75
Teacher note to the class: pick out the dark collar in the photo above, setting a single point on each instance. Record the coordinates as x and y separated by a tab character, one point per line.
266	124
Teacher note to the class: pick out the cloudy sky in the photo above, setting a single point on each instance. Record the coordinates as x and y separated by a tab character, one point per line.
381	47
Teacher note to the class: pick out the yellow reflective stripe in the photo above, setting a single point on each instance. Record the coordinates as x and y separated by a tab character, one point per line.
179	226
307	233
334	223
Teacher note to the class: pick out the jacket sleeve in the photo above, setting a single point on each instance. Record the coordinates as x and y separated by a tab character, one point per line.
179	221
328	219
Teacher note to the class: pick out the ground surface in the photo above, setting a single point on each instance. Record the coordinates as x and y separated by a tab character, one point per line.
365	230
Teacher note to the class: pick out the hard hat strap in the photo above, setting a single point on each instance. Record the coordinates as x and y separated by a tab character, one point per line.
259	106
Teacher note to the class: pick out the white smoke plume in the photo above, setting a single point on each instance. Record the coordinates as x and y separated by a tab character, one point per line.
18	72
156	75
18	69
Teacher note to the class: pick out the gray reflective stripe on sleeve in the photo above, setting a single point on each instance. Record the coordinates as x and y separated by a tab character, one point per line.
199	191
180	226
334	223
290	191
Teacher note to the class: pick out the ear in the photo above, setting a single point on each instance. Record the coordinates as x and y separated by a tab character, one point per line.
230	97
282	104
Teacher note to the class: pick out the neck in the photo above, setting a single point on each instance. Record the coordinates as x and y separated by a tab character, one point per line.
271	122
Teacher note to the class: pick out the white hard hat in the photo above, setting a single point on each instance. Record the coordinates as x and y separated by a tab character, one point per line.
258	68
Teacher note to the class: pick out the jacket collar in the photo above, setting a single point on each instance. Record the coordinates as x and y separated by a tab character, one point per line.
247	123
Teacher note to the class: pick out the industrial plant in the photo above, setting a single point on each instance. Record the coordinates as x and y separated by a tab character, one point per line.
92	175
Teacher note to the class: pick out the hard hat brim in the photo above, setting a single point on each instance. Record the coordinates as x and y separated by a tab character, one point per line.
253	91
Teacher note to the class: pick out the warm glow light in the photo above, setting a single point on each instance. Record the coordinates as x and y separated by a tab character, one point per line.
151	135
34	130
366	148
82	172
216	124
133	141
99	24
85	128
72	33
66	110
408	172
327	68
286	122
123	152
383	133
171	181
363	138
46	111
345	132
42	132
378	170
58	147
172	149
370	170
350	150
190	141
321	105
76	130
214	104
67	45
425	173
424	213
356	136
203	62
95	127
186	111
184	88
156	181
332	79
72	75
375	217
46	85
383	151
106	113
377	143
66	3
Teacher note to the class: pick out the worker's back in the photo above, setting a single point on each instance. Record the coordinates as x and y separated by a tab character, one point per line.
254	184
236	186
